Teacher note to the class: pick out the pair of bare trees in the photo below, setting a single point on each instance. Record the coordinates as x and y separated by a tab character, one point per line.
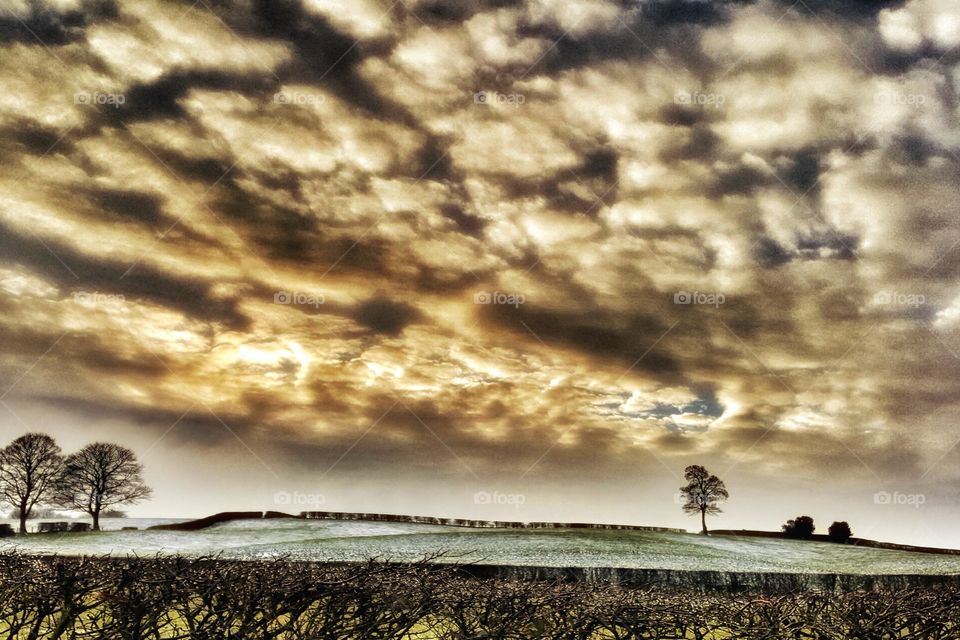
34	471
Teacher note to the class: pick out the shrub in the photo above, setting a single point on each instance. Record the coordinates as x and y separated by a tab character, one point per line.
839	532
800	528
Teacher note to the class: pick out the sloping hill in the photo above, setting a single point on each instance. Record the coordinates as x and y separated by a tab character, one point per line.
357	540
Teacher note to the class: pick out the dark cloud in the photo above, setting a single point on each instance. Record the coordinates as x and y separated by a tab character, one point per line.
665	13
42	25
681	115
893	62
184	166
599	172
29	137
769	253
146	208
72	349
433	162
582	189
627	41
323	55
195	425
698	142
811	245
293	235
913	149
739	180
161	97
77	271
385	316
827	243
469	224
851	9
803	172
439	13
624	340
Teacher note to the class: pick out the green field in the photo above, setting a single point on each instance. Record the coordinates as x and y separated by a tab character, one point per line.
358	540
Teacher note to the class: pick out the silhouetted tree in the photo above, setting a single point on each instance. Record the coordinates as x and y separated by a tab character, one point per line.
801	528
30	467
839	532
99	476
702	492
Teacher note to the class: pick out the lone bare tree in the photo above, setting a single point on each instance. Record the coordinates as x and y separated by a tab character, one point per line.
101	475
702	493
30	467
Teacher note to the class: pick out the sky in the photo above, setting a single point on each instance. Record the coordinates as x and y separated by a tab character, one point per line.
515	259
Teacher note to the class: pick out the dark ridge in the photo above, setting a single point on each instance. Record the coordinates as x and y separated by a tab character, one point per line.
272	515
476	524
209	521
228	516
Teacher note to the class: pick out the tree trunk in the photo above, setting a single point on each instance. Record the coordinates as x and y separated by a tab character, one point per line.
703	521
23	518
96	519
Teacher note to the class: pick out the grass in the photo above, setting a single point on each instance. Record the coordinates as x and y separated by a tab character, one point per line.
339	541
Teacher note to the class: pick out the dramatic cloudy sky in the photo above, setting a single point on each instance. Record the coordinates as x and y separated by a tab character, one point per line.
375	255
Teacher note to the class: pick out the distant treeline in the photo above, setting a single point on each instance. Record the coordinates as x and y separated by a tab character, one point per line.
173	598
228	516
480	524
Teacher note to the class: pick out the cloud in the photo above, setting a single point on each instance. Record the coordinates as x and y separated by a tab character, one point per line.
526	237
917	22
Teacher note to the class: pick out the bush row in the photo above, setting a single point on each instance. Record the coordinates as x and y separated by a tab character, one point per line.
213	599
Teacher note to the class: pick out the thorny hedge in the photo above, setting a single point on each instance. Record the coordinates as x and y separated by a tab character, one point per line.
174	598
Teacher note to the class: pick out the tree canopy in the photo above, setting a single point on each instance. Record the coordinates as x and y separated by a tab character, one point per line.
702	493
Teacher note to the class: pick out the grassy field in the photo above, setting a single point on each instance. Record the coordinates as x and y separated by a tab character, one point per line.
351	540
285	580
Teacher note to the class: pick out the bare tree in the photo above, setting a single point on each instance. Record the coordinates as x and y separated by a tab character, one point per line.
101	475
30	467
702	492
